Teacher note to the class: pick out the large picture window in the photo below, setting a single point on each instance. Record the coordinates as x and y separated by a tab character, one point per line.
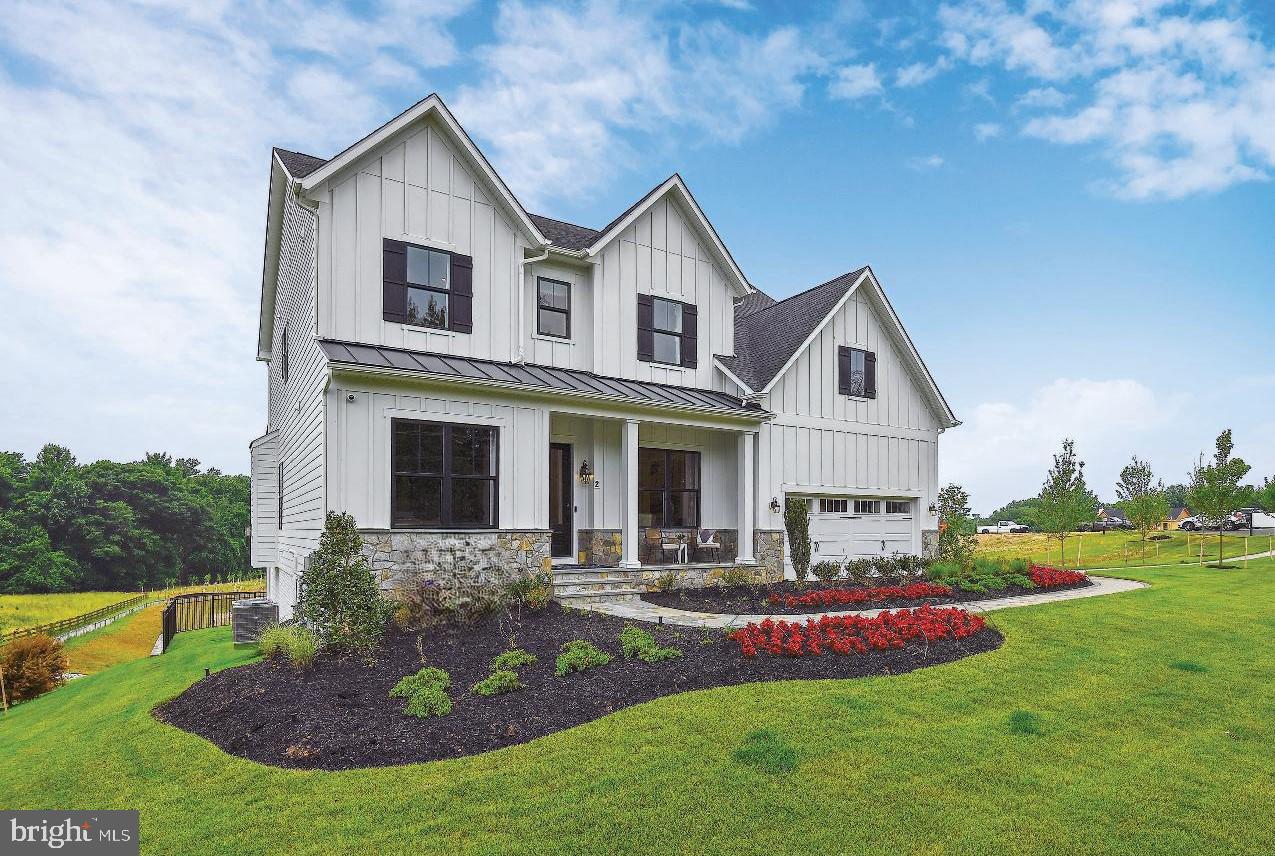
553	308
668	488
444	475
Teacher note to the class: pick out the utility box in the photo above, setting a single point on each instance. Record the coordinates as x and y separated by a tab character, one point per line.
248	618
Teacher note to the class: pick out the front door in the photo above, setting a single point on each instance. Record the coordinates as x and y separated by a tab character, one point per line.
561	500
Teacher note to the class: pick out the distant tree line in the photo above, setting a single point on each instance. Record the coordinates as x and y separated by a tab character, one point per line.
107	526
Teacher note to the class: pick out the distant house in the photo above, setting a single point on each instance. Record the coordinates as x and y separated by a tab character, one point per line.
1110	512
1175	518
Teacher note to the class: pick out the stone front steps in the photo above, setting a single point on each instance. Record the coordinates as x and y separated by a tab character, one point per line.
576	586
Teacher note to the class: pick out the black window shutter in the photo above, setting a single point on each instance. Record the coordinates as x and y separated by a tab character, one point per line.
690	327
870	374
394	276
645	328
460	307
843	370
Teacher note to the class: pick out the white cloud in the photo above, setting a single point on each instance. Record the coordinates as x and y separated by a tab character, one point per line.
986	130
855	81
924	163
1003	449
919	73
592	76
136	151
1181	98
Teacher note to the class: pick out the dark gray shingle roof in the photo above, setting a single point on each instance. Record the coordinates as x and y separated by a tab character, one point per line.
298	164
547	378
567	236
767	336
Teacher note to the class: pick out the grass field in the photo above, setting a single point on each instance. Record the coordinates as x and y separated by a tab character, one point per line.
28	610
1116	549
121	641
1127	724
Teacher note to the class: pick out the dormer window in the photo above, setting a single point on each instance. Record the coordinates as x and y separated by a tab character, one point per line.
553	308
667	331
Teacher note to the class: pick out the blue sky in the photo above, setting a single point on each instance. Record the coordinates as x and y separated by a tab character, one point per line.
1068	202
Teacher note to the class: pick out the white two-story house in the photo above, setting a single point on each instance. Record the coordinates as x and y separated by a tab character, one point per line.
487	390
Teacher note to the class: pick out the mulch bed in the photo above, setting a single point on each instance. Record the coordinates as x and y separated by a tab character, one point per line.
752	600
338	715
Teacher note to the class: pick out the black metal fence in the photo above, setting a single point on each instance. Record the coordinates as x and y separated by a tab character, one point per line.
200	611
67	625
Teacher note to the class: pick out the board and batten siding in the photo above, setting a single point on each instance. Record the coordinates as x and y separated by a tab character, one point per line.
296	408
660	254
416	189
577	351
823	442
359	417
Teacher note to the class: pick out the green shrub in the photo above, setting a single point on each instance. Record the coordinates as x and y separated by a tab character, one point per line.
636	642
499	681
579	656
797	523
534	590
826	571
32	666
299	644
665	582
339	597
426	692
984	574
735	577
513	659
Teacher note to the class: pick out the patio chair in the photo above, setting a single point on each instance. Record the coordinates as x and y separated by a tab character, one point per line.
676	546
706	540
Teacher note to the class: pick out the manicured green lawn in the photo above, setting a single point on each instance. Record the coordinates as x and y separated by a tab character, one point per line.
1135	723
1120	549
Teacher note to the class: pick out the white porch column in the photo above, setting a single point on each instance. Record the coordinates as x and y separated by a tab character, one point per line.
747	501
629	494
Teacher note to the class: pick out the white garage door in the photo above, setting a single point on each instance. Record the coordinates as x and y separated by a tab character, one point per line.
844	528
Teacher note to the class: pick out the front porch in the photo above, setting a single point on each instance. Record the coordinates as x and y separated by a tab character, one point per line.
578	584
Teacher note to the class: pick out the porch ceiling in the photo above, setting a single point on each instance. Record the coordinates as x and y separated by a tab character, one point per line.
538	378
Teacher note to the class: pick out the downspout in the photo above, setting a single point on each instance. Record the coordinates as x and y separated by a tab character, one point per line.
522	299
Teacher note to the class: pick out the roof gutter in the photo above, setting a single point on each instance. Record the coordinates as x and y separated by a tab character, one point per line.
522	299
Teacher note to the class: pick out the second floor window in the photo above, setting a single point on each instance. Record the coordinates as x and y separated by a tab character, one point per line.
553	308
428	287
429	276
667	331
856	372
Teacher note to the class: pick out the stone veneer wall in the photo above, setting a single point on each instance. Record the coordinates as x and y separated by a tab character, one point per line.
602	548
406	558
768	550
929	542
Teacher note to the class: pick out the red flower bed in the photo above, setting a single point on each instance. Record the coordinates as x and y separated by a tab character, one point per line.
843	597
1045	577
854	634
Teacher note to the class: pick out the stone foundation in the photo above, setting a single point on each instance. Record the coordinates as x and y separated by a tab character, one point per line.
493	558
929	542
601	548
768	550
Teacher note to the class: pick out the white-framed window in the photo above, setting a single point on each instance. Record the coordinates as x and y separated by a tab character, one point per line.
898	506
553	308
834	506
867	506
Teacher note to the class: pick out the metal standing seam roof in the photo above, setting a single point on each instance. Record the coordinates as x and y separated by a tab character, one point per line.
534	376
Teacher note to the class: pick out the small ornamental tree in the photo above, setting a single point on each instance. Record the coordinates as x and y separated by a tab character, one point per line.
956	527
339	598
1266	496
1065	499
1142	500
1215	488
797	522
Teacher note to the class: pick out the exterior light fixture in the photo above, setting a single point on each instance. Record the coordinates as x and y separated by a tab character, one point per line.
774	505
934	509
586	472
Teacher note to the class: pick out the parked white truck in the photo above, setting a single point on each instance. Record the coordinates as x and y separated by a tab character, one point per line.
1003	527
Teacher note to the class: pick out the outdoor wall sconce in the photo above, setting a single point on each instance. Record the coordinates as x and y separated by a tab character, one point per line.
586	472
934	509
774	505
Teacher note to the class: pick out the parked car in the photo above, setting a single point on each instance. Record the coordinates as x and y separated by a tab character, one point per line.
1002	527
1190	524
